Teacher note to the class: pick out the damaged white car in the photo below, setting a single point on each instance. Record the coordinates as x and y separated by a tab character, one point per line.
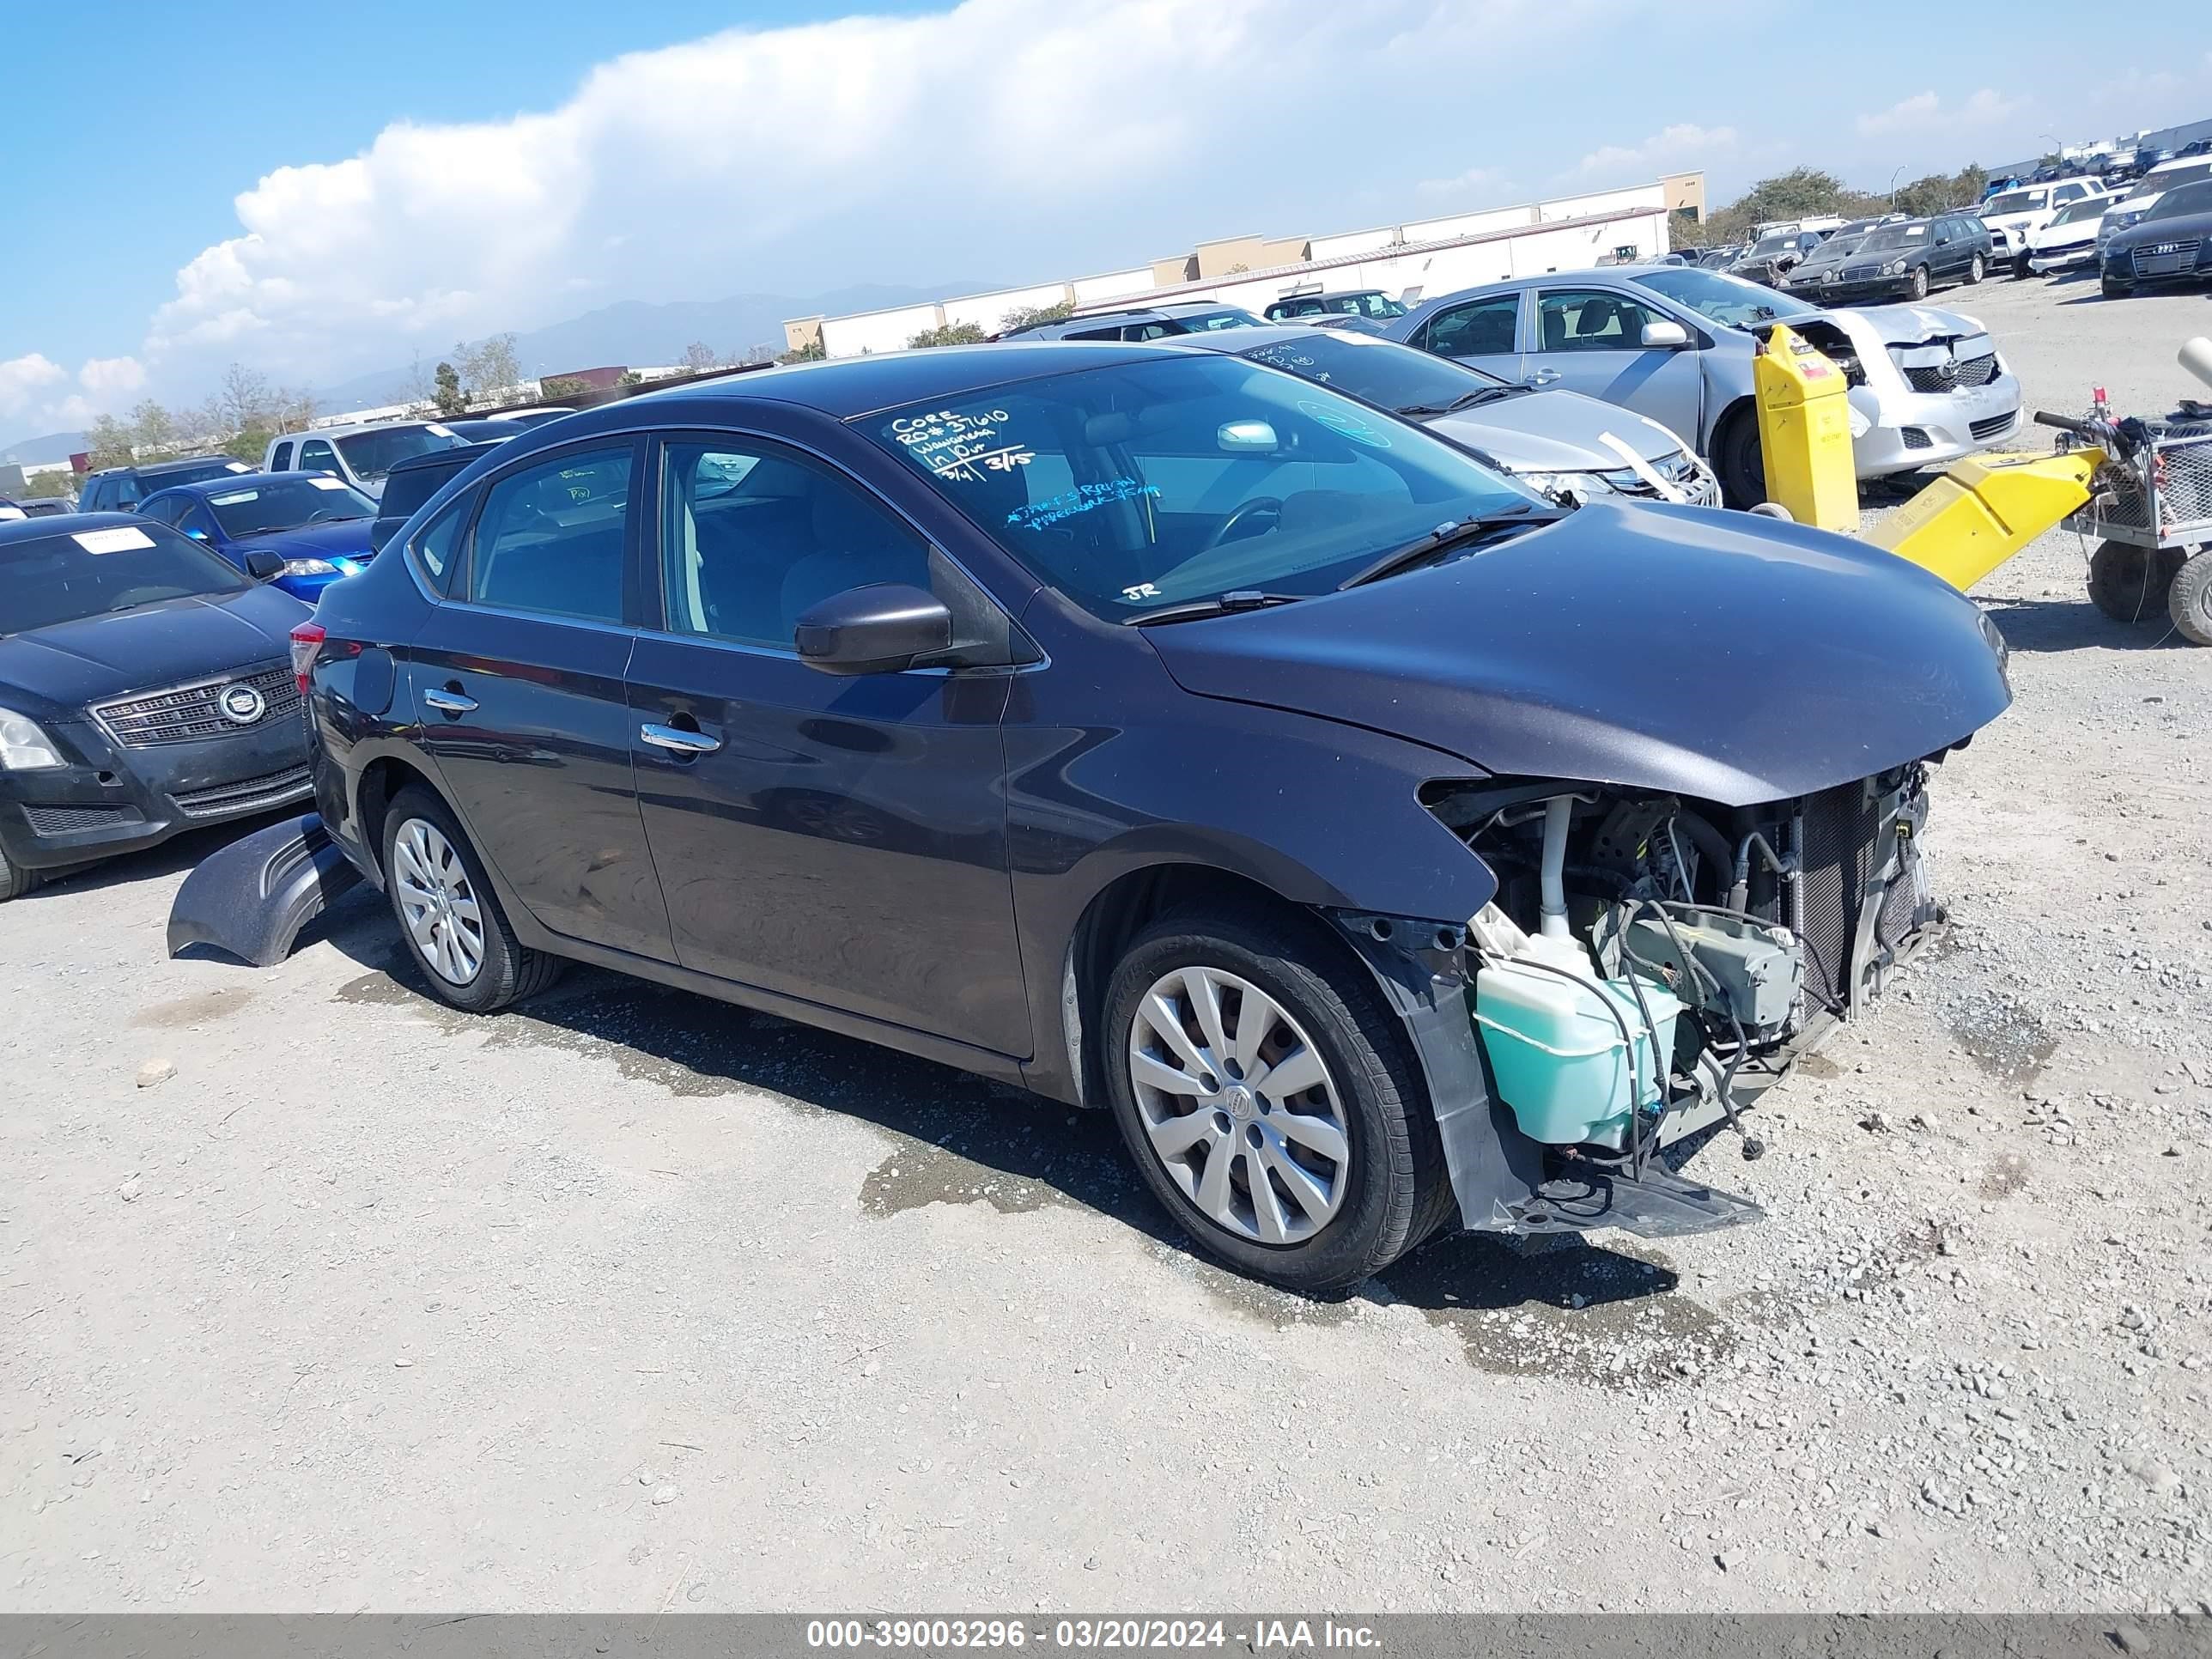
1676	344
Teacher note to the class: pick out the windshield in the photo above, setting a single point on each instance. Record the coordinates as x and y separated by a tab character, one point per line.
1202	321
1719	298
1145	485
2188	201
370	454
2089	207
2171	179
1380	371
1893	236
1780	242
68	576
2017	201
285	503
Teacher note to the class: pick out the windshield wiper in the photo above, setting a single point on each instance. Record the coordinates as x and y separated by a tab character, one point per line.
1481	394
1442	538
1228	604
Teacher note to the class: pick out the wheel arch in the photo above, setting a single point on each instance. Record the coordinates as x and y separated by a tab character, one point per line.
381	779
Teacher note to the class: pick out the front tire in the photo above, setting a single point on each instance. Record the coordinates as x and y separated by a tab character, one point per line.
448	915
1268	1097
1919	284
1739	460
2114	290
15	880
2188	601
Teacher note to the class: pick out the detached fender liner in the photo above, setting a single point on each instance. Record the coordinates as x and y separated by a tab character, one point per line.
252	897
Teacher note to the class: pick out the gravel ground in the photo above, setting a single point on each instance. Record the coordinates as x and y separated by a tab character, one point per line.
632	1301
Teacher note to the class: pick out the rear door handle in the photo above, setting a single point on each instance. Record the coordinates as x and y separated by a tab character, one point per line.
449	702
677	741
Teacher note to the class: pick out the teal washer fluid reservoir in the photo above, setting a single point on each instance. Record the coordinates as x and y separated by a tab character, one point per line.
1557	1053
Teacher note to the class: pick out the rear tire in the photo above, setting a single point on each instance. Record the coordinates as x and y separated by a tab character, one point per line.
1365	1154
1739	460
449	917
2128	583
2189	600
1976	271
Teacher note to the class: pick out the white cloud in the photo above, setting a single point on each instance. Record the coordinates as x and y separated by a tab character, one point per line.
1670	147
1925	112
112	377
971	143
1473	179
21	378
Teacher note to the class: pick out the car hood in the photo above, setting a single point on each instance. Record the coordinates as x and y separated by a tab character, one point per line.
1875	328
1555	432
72	663
343	538
1682	650
2077	230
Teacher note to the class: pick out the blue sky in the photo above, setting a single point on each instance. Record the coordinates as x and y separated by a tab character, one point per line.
194	185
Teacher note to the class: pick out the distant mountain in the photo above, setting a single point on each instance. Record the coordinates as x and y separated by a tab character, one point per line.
640	335
38	452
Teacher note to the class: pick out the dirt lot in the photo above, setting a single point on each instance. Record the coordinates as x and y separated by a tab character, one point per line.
633	1301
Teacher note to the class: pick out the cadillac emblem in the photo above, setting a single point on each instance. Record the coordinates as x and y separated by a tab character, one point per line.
241	705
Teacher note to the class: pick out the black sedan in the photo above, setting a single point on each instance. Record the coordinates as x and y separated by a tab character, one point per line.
2173	243
1146	727
144	689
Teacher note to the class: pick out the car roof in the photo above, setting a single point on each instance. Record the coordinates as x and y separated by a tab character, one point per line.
63	524
847	387
1235	341
352	427
201	489
155	468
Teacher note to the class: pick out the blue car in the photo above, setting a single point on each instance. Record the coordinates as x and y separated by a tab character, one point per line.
318	524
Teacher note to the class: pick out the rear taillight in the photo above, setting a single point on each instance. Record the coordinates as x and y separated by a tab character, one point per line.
306	645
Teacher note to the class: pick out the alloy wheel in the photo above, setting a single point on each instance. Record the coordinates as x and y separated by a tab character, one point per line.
438	902
1238	1106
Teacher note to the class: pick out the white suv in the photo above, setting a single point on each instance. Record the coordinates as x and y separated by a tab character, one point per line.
360	454
2016	214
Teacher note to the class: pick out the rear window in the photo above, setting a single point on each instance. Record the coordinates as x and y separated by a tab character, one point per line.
70	576
373	453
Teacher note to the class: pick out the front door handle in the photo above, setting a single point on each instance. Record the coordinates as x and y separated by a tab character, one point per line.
450	702
1544	377
677	741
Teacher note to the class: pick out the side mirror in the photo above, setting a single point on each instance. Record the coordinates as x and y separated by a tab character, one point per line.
878	629
198	535
1665	336
263	565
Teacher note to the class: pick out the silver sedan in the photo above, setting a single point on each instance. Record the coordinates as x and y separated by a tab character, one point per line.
1676	344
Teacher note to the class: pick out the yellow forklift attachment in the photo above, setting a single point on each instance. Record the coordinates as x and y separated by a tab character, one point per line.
1981	511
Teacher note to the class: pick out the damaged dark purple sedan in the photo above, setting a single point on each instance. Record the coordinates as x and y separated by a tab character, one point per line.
1389	849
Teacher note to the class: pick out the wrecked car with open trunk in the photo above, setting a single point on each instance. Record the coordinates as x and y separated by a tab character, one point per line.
1390	848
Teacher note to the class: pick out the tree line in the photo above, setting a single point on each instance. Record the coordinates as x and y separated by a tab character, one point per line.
1805	193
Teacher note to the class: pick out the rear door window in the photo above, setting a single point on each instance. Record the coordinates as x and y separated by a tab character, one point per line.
1479	329
554	538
